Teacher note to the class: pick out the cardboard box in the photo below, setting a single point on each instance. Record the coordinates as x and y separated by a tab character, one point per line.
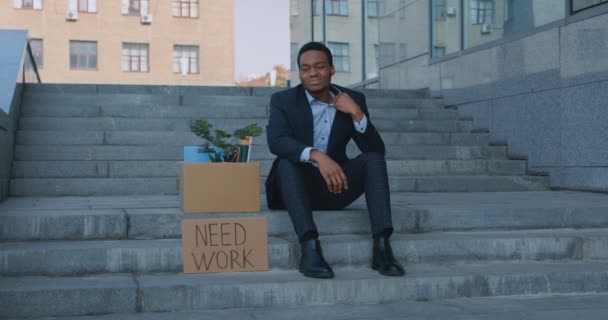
224	245
220	187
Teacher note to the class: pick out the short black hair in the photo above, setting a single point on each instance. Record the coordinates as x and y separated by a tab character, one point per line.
316	46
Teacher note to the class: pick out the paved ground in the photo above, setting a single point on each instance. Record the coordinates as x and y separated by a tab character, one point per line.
564	307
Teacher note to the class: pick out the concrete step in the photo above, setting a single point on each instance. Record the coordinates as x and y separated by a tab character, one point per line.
226	107
65	89
28	187
19	259
153	101
176	152
103	294
88	99
178	97
391	103
183	124
588	306
394	93
158	217
189	138
142	169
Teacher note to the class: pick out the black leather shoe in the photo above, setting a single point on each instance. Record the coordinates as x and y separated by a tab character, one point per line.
384	261
312	263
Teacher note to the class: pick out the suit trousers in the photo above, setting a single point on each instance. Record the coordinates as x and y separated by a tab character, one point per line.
303	189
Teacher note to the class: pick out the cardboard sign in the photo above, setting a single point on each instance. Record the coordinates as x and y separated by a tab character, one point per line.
220	187
224	245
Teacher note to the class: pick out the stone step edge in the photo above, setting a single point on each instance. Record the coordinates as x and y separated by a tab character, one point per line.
588	244
157	293
579	233
589	306
527	176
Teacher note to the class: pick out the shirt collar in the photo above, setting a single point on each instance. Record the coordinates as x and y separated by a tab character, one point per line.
311	98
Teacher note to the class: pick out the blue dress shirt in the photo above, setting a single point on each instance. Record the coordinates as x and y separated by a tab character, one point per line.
323	117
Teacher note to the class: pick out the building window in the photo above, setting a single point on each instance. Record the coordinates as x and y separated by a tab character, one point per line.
387	53
83	55
482	11
337	7
294	7
402	51
402	9
578	5
377	54
185	8
341	54
87	5
373	8
438	51
185	57
294	55
27	4
333	7
135	57
36	46
135	7
440	10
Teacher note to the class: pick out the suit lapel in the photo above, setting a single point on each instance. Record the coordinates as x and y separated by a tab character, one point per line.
340	123
304	113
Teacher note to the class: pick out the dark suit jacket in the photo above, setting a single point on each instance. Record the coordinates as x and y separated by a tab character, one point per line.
290	131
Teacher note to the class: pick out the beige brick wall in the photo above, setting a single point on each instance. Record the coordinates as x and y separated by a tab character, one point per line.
212	31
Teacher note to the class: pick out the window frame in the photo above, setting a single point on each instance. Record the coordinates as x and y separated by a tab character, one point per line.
479	13
574	11
338	3
87	7
180	4
440	5
198	58
139	11
32	7
338	55
317	10
377	6
129	47
294	7
85	54
40	61
294	48
80	9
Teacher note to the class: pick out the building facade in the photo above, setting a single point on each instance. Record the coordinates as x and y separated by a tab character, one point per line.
534	73
349	28
189	42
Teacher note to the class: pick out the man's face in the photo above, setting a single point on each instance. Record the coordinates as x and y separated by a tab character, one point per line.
315	71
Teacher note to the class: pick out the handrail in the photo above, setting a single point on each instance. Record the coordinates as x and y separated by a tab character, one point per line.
363	84
33	61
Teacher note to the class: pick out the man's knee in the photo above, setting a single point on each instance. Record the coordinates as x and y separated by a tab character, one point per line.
368	157
287	167
373	155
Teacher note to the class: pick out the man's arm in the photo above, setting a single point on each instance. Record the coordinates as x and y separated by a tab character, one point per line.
369	140
279	133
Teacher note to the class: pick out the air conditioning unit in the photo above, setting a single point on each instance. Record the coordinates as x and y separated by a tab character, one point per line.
486	28
71	15
451	11
146	18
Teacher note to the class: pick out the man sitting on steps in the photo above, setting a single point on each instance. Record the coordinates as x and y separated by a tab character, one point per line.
308	130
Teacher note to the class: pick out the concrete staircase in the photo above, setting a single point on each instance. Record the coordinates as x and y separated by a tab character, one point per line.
115	141
93	227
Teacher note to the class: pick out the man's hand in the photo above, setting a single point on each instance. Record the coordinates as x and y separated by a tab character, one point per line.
346	104
330	170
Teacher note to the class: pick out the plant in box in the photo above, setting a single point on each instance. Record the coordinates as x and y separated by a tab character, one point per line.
219	144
